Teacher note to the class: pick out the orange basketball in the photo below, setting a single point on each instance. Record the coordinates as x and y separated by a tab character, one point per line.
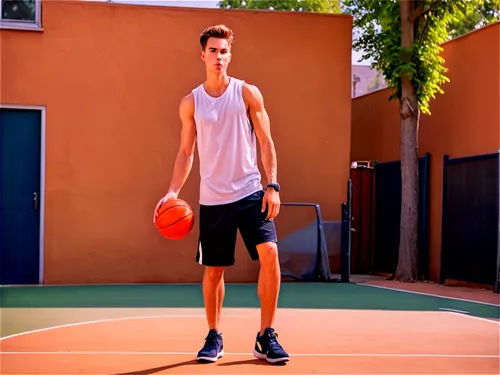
175	219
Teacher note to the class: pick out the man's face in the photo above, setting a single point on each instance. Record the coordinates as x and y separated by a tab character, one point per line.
217	55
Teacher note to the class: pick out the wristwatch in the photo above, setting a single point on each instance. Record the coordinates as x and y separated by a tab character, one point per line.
274	186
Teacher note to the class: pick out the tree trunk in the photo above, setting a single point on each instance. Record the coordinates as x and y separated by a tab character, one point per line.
407	268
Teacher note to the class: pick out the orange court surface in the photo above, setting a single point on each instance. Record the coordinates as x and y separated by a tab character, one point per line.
327	328
91	287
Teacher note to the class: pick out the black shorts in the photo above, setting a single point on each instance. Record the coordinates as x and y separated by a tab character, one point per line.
218	230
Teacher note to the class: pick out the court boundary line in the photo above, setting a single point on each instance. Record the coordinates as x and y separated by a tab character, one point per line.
116	319
429	294
102	321
474	317
454	310
404	355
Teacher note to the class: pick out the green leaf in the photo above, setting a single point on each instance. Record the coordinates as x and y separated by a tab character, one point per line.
377	30
323	6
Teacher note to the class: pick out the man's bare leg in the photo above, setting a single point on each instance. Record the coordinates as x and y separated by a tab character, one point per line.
213	295
267	346
269	283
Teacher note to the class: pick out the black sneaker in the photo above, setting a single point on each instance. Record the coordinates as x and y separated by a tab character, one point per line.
268	348
213	348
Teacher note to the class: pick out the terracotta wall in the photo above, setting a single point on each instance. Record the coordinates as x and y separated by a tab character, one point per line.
464	121
111	77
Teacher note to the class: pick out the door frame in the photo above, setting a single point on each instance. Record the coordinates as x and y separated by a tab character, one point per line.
43	111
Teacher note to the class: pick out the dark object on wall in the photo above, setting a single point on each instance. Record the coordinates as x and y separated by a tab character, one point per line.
363	214
388	212
470	226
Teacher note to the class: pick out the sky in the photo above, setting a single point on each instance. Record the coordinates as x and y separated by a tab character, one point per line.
206	4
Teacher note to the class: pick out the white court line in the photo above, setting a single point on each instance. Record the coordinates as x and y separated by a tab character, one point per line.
454	310
250	354
474	317
113	320
101	321
430	295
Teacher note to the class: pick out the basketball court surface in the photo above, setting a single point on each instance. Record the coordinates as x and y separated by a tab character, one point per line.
326	328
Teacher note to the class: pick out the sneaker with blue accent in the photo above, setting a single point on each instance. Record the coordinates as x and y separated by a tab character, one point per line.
213	348
267	347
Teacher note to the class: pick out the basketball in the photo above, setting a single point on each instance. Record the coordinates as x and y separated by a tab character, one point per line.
175	219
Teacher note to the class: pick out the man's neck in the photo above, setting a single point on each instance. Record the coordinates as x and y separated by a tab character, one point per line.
216	84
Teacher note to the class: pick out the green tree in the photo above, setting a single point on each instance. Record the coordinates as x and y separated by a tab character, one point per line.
322	6
479	14
403	39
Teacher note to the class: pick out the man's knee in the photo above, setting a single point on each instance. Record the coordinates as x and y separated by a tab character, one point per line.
214	273
268	252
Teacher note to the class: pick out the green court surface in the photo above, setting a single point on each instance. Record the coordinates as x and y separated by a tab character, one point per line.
292	295
35	307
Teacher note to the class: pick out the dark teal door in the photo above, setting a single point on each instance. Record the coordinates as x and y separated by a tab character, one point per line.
20	134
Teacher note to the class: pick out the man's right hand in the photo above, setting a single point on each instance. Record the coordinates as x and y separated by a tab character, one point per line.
167	197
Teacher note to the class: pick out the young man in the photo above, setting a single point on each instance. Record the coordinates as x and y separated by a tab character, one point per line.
226	117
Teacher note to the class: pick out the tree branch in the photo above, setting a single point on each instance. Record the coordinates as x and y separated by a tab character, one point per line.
422	33
420	11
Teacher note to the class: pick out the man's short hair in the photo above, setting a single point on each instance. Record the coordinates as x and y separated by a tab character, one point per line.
217	31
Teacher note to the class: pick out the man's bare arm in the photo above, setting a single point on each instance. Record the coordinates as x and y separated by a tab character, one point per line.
262	126
185	155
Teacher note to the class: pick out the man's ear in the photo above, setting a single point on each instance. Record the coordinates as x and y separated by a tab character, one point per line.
202	55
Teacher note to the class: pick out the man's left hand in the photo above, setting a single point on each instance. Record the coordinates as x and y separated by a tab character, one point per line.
272	201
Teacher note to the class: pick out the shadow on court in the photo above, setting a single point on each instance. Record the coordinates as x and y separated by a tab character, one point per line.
161	368
245	362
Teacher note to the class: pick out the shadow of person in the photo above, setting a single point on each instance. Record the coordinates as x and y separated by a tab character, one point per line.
254	361
161	368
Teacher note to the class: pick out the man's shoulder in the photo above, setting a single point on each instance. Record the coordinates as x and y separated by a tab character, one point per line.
187	103
251	92
247	85
187	99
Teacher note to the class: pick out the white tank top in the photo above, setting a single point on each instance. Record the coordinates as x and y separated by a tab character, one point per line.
226	146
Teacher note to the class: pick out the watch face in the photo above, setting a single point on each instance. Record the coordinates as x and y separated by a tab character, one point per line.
275	186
